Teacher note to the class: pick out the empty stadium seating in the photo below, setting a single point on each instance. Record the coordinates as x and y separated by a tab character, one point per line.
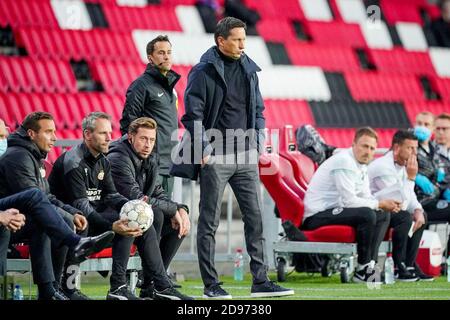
327	72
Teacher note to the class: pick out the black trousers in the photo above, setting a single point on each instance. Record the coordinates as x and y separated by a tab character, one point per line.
404	248
370	225
42	222
438	215
169	243
148	248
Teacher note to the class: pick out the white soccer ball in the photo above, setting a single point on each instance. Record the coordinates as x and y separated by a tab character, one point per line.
138	213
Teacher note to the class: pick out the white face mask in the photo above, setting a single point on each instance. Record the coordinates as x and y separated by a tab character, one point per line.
3	146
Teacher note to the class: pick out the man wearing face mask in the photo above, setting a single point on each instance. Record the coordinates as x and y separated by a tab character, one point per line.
429	175
3	135
437	169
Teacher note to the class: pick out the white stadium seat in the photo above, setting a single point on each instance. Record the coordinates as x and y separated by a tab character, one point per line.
316	10
376	34
352	11
412	36
71	14
190	20
440	58
289	82
132	3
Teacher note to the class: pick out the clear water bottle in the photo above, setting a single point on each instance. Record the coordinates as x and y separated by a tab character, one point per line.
18	293
389	270
239	265
448	269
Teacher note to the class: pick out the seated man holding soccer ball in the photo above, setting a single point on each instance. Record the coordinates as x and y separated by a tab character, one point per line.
82	178
134	168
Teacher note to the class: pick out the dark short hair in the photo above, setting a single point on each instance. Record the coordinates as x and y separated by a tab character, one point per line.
151	45
401	135
31	121
143	122
443	116
365	131
225	25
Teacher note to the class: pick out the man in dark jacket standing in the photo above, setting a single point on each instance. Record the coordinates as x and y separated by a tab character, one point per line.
223	94
153	95
135	173
23	167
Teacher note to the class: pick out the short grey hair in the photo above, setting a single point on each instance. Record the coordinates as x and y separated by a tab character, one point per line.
88	122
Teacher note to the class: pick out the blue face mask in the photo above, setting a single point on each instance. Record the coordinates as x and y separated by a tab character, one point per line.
3	146
422	133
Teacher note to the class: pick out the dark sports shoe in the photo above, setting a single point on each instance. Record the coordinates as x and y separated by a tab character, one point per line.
90	245
76	295
215	291
369	274
147	293
402	274
170	294
57	295
269	289
122	293
419	273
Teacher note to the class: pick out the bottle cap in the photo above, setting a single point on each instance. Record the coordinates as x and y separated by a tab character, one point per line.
239	250
17	286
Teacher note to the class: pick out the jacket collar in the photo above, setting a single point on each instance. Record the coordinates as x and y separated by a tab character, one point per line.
20	138
213	57
168	81
123	146
88	155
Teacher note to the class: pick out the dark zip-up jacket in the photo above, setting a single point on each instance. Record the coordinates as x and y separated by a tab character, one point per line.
22	167
86	183
134	177
204	99
153	95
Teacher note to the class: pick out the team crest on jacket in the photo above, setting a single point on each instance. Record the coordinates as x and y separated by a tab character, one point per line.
101	175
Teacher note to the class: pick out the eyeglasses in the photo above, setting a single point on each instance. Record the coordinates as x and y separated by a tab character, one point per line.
442	128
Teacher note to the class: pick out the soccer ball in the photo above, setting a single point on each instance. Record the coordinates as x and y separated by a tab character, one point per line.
138	213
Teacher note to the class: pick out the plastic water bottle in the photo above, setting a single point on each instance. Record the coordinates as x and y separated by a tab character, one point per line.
389	270
18	293
239	265
448	269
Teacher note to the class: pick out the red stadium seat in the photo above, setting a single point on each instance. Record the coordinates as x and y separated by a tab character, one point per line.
335	34
288	194
401	11
303	167
401	61
280	112
276	30
329	58
442	86
373	86
290	9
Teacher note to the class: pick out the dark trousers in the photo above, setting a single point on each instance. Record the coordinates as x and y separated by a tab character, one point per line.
169	241
244	180
438	215
370	228
168	237
42	221
404	248
148	248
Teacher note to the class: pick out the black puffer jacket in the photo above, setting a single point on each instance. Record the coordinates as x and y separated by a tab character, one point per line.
153	95
22	167
135	178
